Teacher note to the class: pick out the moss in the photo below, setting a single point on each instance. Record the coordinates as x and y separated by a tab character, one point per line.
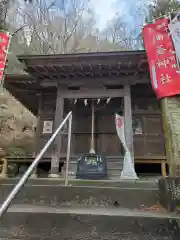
15	152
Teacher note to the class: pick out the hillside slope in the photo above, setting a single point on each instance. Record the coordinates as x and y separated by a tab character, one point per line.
16	126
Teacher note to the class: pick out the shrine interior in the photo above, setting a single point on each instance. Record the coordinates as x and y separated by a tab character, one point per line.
105	136
147	128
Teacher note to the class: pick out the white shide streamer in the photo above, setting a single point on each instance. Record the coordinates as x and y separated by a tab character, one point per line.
85	102
174	28
128	171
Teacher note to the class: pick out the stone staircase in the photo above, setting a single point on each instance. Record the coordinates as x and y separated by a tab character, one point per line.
87	210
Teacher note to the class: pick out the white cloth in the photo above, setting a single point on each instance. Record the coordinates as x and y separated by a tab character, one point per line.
174	28
128	171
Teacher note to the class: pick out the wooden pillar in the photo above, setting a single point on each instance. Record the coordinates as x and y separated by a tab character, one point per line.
128	120
58	140
38	132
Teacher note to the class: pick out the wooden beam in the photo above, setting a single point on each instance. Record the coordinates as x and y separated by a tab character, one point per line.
58	140
128	120
29	101
26	91
134	79
95	93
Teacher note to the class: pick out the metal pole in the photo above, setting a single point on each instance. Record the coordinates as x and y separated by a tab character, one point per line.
26	175
68	150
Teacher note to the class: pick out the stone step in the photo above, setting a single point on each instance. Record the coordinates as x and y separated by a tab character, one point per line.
143	184
123	237
31	222
113	169
111	163
82	196
115	164
114	172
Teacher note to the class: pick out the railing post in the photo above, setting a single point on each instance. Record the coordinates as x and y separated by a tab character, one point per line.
4	168
68	150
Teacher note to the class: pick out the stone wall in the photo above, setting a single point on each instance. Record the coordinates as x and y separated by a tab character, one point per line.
171	123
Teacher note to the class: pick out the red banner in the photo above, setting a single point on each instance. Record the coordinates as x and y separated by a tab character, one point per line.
165	77
4	43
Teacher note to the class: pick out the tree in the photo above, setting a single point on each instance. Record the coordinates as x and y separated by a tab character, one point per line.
124	29
13	116
4	6
118	33
53	29
158	8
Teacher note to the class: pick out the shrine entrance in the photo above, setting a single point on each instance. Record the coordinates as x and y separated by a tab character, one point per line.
106	141
106	103
59	83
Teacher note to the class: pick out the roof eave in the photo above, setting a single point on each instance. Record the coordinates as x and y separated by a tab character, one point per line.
83	55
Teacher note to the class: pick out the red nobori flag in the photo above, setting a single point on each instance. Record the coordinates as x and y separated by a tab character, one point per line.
4	43
162	59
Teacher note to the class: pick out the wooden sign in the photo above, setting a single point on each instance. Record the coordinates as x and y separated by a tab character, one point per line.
91	166
47	127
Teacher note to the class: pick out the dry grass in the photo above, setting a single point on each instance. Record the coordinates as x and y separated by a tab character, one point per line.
16	124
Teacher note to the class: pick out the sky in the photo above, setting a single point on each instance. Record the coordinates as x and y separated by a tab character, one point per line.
104	10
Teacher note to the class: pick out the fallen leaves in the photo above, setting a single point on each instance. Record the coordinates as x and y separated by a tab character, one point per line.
153	208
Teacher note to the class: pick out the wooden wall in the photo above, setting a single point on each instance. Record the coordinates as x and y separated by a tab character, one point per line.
106	140
150	141
47	113
147	125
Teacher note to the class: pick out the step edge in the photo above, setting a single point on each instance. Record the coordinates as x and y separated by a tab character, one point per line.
115	212
89	187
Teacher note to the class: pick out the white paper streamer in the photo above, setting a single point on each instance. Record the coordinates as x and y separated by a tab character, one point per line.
98	101
128	171
108	100
85	102
174	27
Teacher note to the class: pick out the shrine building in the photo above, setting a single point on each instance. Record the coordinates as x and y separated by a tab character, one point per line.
117	82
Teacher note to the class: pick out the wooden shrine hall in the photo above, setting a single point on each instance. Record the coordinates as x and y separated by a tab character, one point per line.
117	82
